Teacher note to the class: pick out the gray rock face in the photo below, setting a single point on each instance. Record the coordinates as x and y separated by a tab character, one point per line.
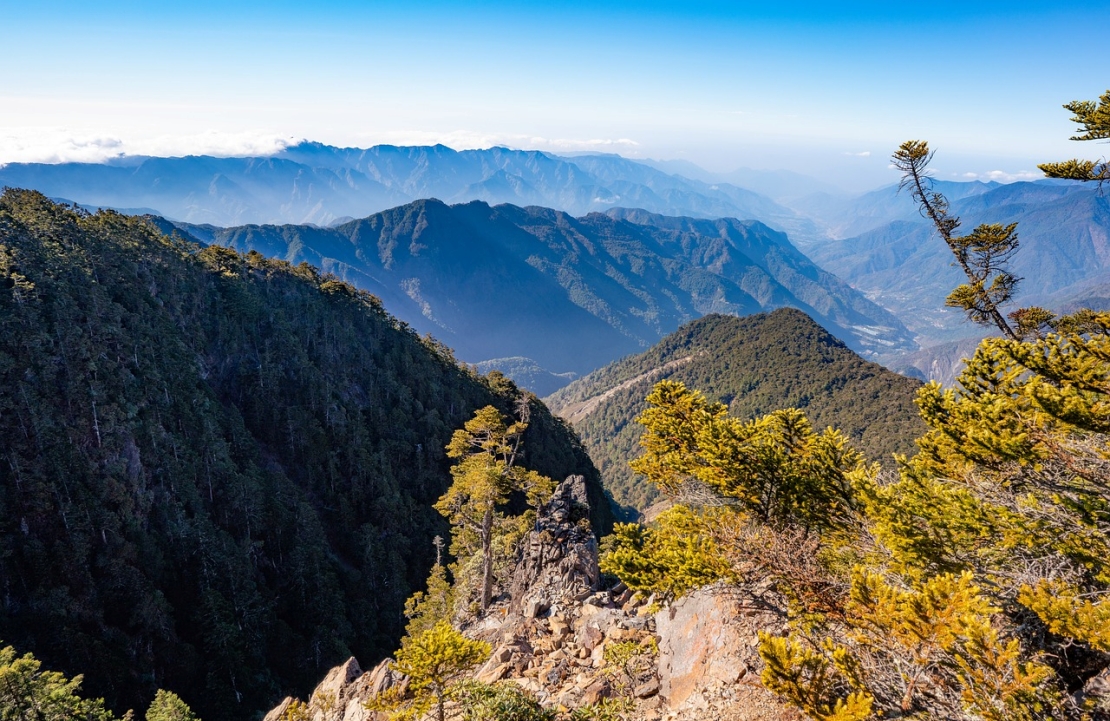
708	654
558	564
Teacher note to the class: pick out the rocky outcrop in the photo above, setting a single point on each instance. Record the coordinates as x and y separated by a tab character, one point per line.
339	697
708	654
572	645
558	564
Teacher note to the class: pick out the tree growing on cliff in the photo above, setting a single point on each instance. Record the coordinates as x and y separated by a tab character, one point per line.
433	659
487	450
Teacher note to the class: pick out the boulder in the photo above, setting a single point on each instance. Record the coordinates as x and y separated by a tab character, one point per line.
707	644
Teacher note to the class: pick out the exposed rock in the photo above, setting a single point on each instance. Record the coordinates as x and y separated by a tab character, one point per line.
647	689
707	644
558	564
1095	694
383	677
551	635
596	691
278	711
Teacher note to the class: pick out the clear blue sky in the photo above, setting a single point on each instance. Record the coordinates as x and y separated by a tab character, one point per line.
814	87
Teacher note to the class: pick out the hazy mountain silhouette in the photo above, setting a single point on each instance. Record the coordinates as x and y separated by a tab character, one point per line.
316	183
898	260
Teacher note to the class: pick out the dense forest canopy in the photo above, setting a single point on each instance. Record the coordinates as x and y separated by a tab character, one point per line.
216	471
755	365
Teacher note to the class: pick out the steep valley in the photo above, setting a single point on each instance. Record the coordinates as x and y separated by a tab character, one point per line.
216	470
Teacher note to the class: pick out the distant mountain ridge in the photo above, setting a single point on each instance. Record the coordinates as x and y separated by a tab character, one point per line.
897	260
316	183
756	365
570	293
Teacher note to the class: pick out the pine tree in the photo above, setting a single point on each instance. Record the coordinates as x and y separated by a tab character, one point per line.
982	255
168	706
433	659
485	473
1094	121
28	693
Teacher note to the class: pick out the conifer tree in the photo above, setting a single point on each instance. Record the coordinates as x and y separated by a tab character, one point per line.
1094	124
982	255
433	659
436	603
28	693
168	706
485	473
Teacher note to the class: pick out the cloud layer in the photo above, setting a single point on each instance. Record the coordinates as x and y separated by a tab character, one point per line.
63	145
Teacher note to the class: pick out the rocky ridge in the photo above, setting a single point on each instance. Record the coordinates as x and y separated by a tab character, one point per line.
694	659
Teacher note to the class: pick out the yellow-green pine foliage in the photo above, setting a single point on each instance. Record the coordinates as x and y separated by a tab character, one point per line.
675	555
1013	474
932	649
774	467
945	624
168	706
1003	512
1011	489
28	693
1067	614
433	659
1093	119
484	475
501	701
821	683
425	609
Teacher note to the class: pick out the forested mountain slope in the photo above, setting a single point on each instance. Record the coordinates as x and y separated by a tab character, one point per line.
216	471
755	365
572	294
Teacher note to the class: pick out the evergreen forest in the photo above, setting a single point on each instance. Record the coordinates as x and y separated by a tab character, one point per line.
755	365
217	470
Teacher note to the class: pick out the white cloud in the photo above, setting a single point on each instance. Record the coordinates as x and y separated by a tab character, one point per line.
470	140
63	145
861	154
1001	176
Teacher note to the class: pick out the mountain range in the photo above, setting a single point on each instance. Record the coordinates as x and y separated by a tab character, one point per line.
876	242
571	294
321	184
888	252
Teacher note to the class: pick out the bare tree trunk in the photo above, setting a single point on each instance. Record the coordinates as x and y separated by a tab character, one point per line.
487	559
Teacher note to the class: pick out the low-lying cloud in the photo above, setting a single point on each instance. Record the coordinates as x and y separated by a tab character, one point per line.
1001	176
62	145
471	140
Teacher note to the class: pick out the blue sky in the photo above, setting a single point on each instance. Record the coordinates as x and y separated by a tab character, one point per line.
813	87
